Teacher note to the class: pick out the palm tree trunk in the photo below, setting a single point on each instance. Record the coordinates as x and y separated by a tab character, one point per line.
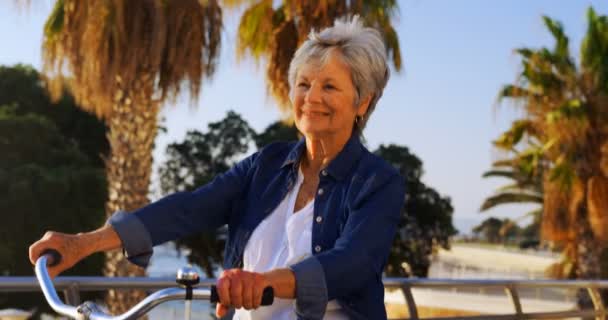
588	261
589	253
132	130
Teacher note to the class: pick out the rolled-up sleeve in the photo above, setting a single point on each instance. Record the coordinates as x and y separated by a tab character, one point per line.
358	255
181	214
135	238
311	291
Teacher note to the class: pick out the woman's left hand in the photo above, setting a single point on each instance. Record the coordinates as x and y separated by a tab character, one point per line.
243	289
240	289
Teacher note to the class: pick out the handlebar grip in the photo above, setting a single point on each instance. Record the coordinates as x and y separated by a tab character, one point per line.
54	257
267	296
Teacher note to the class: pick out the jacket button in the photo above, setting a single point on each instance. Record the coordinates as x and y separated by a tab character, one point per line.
319	219
320	192
317	248
324	173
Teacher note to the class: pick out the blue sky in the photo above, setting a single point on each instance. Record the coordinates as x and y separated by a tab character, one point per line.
442	105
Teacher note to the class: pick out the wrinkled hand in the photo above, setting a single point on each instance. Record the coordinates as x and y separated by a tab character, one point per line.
240	289
68	246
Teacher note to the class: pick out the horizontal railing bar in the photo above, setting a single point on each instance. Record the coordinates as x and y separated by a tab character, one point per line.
100	283
25	284
532	315
436	283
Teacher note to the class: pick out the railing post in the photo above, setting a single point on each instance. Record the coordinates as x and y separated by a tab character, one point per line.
409	300
72	294
512	293
598	304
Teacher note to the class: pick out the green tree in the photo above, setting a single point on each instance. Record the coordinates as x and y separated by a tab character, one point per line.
564	111
22	86
489	229
531	232
510	232
277	131
51	174
426	217
46	182
195	162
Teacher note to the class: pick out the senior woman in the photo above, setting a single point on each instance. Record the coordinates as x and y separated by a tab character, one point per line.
313	219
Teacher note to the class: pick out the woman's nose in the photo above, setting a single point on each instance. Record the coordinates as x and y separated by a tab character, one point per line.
313	94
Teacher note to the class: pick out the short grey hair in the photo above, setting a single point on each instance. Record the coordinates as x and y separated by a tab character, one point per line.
363	51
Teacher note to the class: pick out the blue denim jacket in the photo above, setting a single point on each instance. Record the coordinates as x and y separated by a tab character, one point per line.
356	210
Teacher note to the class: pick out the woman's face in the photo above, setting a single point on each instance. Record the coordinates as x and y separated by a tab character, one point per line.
324	98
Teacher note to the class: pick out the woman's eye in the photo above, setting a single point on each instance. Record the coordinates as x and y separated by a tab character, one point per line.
302	85
329	87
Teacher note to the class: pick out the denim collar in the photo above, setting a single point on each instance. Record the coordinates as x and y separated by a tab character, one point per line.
340	166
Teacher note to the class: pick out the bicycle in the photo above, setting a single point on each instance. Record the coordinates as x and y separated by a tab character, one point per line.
186	277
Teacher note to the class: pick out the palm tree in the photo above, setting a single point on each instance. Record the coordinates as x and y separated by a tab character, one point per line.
122	60
524	168
273	33
565	106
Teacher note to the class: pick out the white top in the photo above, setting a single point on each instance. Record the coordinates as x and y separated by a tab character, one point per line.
279	241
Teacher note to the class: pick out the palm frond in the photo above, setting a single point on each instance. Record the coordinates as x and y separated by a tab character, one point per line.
283	47
255	30
509	174
527	186
509	198
526	53
535	214
557	30
515	92
392	45
54	23
380	14
538	71
504	162
594	49
513	136
561	52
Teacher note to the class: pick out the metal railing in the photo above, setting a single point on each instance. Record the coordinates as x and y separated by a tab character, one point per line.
72	286
511	289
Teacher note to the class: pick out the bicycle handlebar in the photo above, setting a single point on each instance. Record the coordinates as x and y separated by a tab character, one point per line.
89	310
49	290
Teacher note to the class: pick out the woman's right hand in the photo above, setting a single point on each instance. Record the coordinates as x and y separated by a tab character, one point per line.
70	247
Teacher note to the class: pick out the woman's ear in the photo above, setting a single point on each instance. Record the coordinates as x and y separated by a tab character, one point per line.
364	105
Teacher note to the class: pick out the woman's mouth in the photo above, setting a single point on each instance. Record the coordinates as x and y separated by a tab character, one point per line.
315	113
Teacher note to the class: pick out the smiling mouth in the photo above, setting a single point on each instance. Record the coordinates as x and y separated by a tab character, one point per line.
315	113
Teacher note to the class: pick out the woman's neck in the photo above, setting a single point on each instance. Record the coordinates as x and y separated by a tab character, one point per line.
320	151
